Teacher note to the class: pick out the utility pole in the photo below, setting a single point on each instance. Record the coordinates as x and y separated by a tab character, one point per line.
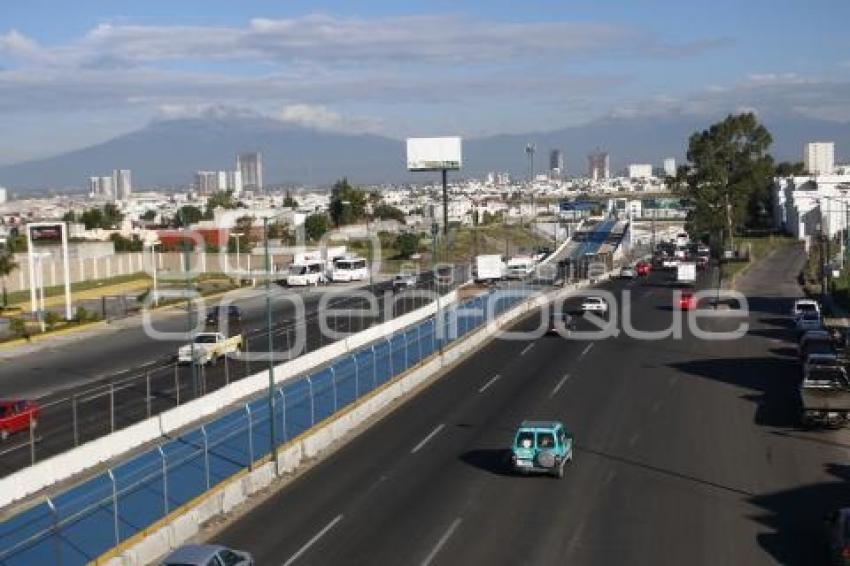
272	436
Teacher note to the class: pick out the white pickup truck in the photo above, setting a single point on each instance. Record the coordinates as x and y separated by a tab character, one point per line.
209	347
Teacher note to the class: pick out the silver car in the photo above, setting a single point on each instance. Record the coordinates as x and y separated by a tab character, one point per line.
207	555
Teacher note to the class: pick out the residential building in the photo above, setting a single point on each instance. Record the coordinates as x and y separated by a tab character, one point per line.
250	165
121	180
670	167
4	195
598	165
556	163
819	158
640	171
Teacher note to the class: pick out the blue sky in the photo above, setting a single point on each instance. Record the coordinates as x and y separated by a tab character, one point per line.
76	73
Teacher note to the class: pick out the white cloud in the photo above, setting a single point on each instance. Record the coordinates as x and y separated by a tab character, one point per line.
322	118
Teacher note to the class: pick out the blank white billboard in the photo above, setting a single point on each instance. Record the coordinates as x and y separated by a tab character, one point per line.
433	154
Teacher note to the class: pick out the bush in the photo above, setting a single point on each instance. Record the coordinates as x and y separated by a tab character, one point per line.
51	319
18	326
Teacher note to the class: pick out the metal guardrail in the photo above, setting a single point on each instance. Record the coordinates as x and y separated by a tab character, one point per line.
84	521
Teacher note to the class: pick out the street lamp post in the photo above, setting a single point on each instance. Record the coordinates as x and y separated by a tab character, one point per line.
237	235
152	247
272	435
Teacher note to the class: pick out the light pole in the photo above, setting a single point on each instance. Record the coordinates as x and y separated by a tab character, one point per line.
152	247
272	435
237	235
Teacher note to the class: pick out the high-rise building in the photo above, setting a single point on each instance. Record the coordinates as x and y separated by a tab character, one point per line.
234	182
102	187
819	158
122	183
556	163
206	182
4	195
598	165
670	167
640	171
250	165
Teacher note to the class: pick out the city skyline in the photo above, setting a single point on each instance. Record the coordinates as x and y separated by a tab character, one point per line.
103	69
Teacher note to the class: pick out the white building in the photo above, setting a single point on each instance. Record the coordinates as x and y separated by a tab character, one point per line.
819	158
234	182
101	187
808	206
640	171
122	182
670	167
4	195
250	166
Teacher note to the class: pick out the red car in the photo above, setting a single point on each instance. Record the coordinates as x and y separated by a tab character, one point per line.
17	416
687	302
642	269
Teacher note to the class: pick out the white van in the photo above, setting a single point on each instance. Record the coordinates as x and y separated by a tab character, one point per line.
519	267
307	272
350	268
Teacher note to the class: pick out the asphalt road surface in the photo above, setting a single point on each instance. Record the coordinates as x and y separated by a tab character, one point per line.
87	406
688	452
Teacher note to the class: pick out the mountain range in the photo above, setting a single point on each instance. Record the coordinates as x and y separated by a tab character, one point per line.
168	152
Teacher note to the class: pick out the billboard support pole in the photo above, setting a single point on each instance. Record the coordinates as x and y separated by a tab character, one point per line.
445	205
30	262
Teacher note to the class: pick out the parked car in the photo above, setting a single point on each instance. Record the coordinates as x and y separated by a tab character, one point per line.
594	304
687	301
216	314
541	447
17	416
207	555
809	321
838	527
802	306
404	281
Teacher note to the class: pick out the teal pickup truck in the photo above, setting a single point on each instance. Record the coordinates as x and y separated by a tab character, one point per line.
542	447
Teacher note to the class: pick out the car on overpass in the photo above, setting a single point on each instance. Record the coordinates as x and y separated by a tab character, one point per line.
594	304
17	416
216	314
207	555
542	447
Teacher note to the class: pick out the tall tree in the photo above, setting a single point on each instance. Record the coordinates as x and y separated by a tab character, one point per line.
727	176
219	199
7	266
289	201
315	226
788	169
188	214
348	204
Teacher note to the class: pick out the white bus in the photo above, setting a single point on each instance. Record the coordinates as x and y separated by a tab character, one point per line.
519	267
307	272
350	268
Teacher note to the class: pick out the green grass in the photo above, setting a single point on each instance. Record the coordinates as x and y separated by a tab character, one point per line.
56	290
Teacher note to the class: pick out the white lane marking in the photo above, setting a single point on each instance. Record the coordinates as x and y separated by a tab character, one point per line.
526	349
484	387
442	542
425	440
559	385
634	438
313	540
586	350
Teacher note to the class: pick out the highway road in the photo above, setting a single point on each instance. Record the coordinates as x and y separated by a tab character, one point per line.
84	405
688	452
